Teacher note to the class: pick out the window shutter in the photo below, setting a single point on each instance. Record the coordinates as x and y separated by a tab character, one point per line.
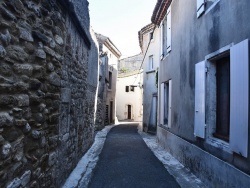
162	30
199	116
169	103
162	104
239	97
200	7
169	29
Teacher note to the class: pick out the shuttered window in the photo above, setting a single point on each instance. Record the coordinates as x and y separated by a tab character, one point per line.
166	103
169	29
200	7
162	104
239	97
199	119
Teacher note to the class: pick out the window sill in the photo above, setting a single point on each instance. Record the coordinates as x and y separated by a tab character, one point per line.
164	126
218	143
150	71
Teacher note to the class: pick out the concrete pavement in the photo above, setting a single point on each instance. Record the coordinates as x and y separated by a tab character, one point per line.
126	161
81	175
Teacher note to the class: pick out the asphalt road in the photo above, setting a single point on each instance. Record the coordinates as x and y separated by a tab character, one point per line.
127	162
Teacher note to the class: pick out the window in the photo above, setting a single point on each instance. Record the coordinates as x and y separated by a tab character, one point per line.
110	80
127	88
151	62
166	34
166	97
132	88
151	36
205	5
222	98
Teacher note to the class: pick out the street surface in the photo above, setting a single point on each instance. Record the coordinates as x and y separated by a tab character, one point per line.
126	161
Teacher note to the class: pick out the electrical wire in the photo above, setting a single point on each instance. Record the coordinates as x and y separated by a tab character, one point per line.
145	54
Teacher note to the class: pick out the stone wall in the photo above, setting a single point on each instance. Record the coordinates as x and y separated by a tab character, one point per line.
47	103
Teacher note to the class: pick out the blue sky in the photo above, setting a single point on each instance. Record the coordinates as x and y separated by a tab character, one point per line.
120	20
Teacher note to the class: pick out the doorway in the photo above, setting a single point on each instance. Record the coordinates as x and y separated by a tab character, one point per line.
111	112
129	111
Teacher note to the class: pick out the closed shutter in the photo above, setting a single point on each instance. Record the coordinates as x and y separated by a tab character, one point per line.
199	116
162	31
239	97
169	29
162	104
200	7
169	103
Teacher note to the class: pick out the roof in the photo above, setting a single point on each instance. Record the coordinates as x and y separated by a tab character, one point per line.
160	11
103	40
144	30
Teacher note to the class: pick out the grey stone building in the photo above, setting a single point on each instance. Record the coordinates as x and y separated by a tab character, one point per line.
48	83
204	87
109	56
129	64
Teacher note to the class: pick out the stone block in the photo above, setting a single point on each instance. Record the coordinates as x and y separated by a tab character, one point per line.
36	134
41	54
25	35
26	128
40	36
5	120
59	40
17	53
35	84
5	37
7	100
2	51
6	13
14	183
22	100
25	69
49	51
25	178
20	122
54	79
6	150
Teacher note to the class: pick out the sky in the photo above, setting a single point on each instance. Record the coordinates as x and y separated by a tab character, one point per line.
120	21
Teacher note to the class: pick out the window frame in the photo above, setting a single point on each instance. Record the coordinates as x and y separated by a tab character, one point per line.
239	98
163	103
150	62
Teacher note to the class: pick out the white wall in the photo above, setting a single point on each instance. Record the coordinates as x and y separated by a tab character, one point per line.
129	98
149	76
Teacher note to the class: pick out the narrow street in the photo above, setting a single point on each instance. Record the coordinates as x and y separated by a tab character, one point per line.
126	161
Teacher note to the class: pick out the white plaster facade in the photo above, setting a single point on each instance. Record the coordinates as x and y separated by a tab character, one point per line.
150	50
125	98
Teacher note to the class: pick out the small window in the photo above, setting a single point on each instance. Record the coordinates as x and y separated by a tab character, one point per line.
132	88
166	34
151	63
151	36
204	6
127	88
166	97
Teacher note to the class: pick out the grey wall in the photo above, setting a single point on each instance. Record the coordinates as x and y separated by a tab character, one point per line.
46	99
192	39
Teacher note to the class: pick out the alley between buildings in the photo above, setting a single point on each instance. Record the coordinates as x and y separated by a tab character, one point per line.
123	156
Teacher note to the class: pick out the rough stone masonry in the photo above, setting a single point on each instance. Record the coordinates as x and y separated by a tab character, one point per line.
47	92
